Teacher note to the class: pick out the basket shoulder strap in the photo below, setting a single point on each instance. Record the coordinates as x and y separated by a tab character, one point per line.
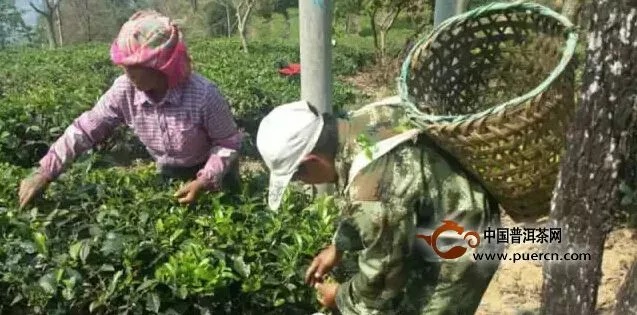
392	100
362	159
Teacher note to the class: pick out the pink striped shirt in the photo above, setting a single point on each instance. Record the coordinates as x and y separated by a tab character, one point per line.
193	124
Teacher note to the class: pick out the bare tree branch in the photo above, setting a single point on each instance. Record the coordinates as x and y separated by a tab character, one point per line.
36	9
242	18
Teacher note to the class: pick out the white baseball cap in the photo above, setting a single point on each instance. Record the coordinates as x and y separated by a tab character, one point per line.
285	136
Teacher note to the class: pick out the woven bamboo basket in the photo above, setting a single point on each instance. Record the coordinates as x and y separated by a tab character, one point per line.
494	87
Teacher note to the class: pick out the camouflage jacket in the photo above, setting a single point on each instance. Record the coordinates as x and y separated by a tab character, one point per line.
386	196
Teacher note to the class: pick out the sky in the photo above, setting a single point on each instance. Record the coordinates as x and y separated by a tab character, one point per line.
30	16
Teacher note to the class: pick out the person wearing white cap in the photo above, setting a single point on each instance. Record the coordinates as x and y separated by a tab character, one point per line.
391	180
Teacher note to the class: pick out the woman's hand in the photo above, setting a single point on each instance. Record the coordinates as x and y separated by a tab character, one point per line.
32	187
189	193
322	264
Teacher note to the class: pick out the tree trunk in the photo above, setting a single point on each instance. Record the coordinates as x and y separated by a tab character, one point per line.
242	35
88	21
228	22
51	31
243	21
385	26
356	24
58	14
49	16
372	20
597	148
381	42
571	9
627	294
288	24
244	42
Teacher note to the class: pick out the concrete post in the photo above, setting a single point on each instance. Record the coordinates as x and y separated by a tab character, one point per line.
315	26
445	9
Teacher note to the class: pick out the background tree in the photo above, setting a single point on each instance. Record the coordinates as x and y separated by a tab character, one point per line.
82	7
12	26
48	12
58	19
281	7
96	20
598	146
349	11
221	18
243	10
382	15
420	15
267	8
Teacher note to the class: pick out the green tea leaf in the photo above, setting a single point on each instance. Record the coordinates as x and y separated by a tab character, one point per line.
368	153
241	267
85	251
17	299
113	244
145	285
40	241
204	310
74	250
48	282
34	128
94	305
175	235
143	217
159	226
28	247
113	286
182	293
298	239
152	302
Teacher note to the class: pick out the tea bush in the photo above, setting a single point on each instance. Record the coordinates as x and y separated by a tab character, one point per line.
114	241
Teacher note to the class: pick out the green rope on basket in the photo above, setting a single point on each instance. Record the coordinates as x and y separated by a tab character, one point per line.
494	88
569	51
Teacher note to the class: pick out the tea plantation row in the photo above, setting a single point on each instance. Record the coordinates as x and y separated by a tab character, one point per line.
113	240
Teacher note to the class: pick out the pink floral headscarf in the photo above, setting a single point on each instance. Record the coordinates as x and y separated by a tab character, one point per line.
152	40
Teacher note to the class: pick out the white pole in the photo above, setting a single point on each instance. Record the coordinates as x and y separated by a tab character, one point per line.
315	21
445	9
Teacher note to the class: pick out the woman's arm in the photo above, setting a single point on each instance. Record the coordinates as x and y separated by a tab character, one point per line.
89	129
225	136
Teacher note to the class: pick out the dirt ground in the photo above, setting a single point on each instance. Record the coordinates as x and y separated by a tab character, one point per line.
376	81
